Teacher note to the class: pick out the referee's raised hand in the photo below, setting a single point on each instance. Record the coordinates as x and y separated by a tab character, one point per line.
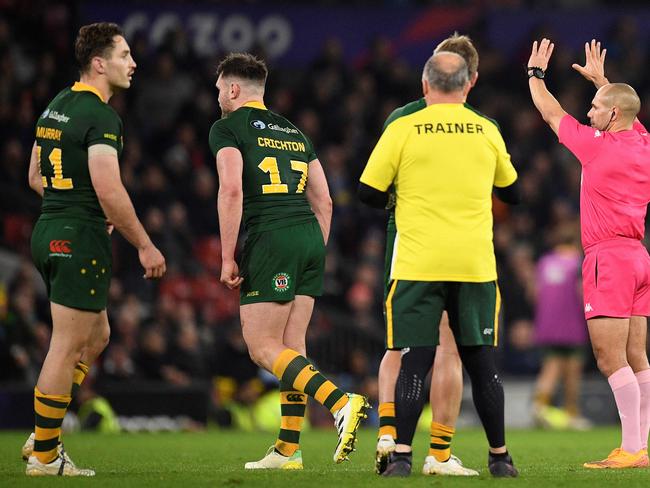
540	54
594	68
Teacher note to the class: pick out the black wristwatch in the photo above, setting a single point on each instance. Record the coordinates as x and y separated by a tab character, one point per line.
535	71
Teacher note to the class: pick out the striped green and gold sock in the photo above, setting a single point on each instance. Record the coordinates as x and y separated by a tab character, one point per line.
440	446
293	369
292	406
49	411
387	419
79	375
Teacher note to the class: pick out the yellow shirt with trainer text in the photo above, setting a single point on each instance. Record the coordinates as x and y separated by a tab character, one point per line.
443	161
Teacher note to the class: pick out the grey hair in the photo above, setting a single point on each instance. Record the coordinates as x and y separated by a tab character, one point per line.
446	76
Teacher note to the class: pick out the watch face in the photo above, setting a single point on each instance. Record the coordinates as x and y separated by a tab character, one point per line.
538	73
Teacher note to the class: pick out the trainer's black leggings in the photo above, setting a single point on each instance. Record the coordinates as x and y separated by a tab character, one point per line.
410	390
487	390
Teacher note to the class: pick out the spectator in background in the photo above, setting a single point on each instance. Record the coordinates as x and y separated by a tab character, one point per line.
560	330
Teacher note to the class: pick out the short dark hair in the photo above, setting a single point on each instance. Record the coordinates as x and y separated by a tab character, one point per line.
95	40
244	66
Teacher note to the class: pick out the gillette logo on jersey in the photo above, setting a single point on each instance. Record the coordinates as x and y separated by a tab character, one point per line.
60	248
281	282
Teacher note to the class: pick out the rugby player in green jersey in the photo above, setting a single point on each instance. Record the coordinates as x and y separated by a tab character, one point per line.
269	172
74	167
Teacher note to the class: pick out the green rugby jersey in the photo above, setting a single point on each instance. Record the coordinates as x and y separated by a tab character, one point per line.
75	119
408	109
276	163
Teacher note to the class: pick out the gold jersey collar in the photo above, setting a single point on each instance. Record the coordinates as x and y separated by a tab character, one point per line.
79	86
255	104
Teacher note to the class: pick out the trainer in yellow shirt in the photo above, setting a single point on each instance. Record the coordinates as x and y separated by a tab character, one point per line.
443	162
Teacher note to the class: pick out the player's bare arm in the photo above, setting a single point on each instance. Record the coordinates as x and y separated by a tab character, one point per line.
230	166
548	106
35	178
318	195
105	175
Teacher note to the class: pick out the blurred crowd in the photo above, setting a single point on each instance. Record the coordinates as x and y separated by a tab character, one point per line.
185	328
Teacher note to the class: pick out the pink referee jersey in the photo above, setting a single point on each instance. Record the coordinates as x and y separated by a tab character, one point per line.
615	179
614	194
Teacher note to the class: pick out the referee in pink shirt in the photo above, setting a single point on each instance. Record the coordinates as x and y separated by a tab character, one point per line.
614	152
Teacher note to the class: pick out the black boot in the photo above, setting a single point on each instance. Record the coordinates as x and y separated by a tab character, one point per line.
399	465
501	465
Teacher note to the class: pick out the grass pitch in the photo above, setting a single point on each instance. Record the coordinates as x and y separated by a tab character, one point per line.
216	458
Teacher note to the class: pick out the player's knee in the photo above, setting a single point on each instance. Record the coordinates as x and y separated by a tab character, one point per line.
298	346
102	339
609	363
260	354
255	356
638	359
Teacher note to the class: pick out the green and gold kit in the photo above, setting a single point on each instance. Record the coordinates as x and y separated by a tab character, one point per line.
70	245
412	309
284	252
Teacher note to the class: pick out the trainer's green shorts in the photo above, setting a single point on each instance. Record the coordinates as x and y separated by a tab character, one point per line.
74	258
413	310
279	264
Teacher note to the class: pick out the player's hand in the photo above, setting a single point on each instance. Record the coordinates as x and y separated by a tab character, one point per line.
230	274
594	68
540	54
152	261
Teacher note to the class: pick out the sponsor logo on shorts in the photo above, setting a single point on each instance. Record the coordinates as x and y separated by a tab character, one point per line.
253	294
281	282
588	308
258	124
487	331
60	248
295	397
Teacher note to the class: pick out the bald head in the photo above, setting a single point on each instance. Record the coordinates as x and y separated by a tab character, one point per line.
446	72
620	95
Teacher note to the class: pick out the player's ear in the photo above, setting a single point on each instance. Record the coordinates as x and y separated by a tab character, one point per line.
473	80
235	90
425	87
98	63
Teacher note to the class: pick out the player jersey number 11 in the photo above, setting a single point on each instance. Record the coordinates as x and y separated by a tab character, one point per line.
270	165
58	181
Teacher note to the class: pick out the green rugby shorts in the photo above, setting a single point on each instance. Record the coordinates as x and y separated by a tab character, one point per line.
413	309
74	258
279	264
